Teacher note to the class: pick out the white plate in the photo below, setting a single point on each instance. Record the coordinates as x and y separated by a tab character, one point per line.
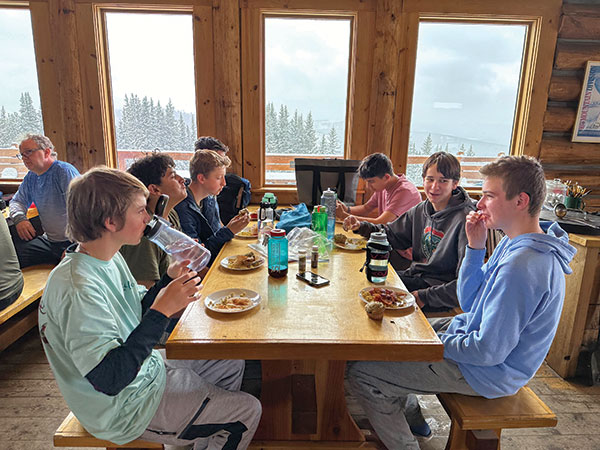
351	244
410	299
258	263
216	297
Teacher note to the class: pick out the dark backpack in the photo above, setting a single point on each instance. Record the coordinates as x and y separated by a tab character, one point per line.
234	197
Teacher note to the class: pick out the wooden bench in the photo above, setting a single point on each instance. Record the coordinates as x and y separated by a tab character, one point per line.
21	316
477	422
72	434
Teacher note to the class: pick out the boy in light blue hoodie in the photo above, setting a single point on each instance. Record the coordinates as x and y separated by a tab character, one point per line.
511	305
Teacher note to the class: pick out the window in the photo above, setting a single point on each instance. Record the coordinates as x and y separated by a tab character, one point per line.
465	95
20	111
306	66
152	80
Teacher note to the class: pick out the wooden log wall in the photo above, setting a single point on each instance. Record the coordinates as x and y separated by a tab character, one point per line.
578	42
74	76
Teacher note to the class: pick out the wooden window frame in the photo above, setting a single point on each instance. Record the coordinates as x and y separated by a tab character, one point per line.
201	15
8	183
540	17
254	13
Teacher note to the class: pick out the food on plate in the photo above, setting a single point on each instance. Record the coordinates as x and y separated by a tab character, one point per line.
232	302
350	243
249	232
375	310
248	260
340	239
390	298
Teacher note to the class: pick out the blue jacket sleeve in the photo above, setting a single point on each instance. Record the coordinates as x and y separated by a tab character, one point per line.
187	220
470	277
509	303
121	365
216	241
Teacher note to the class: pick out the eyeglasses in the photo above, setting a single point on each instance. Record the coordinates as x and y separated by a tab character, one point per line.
26	153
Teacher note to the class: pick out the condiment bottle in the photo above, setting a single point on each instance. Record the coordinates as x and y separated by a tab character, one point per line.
180	246
301	261
277	250
314	257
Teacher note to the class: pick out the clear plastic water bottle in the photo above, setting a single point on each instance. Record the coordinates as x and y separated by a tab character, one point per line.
277	249
378	255
328	199
180	246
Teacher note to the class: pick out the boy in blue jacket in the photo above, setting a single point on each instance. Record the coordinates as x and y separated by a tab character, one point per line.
511	305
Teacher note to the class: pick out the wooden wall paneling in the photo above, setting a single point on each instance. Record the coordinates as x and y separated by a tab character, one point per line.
228	107
564	352
90	85
47	71
312	5
204	73
384	87
407	62
361	89
559	119
580	22
63	30
565	88
252	96
558	150
575	55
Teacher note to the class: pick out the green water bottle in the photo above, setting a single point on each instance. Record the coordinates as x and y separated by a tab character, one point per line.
319	220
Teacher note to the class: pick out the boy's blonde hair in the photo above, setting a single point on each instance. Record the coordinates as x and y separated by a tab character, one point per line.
205	161
99	194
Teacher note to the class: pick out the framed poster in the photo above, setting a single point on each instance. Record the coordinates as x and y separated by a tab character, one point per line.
587	123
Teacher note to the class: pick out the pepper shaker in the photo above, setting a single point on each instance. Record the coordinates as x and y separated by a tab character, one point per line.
301	261
314	257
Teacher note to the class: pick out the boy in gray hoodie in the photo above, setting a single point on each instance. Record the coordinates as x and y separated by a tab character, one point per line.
435	232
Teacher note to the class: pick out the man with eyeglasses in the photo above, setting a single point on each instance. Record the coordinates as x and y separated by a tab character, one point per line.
45	185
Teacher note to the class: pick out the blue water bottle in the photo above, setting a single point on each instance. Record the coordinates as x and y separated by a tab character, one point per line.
277	250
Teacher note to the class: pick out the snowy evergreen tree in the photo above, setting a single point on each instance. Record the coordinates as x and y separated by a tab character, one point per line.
270	128
462	149
470	152
446	148
427	146
309	142
282	135
170	127
332	142
412	149
30	118
323	145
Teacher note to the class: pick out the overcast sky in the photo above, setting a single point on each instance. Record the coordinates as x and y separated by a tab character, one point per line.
17	58
466	77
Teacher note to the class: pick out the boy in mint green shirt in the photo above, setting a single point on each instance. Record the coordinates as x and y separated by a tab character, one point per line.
99	329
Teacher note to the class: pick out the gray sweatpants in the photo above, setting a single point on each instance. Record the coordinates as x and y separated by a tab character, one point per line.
202	405
386	391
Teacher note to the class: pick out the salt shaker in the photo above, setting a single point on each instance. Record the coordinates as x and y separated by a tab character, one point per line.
301	261
314	257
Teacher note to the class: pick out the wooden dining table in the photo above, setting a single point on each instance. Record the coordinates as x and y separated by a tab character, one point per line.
303	336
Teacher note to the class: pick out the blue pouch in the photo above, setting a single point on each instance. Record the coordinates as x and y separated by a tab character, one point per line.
297	217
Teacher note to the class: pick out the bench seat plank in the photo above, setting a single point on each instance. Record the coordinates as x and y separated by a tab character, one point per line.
522	410
72	434
35	281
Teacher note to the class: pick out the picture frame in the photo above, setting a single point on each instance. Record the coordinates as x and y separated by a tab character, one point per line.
587	123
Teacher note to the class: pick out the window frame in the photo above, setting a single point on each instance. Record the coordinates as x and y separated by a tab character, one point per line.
254	13
540	18
15	182
201	16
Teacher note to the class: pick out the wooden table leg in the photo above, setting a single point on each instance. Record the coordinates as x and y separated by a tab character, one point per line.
333	422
